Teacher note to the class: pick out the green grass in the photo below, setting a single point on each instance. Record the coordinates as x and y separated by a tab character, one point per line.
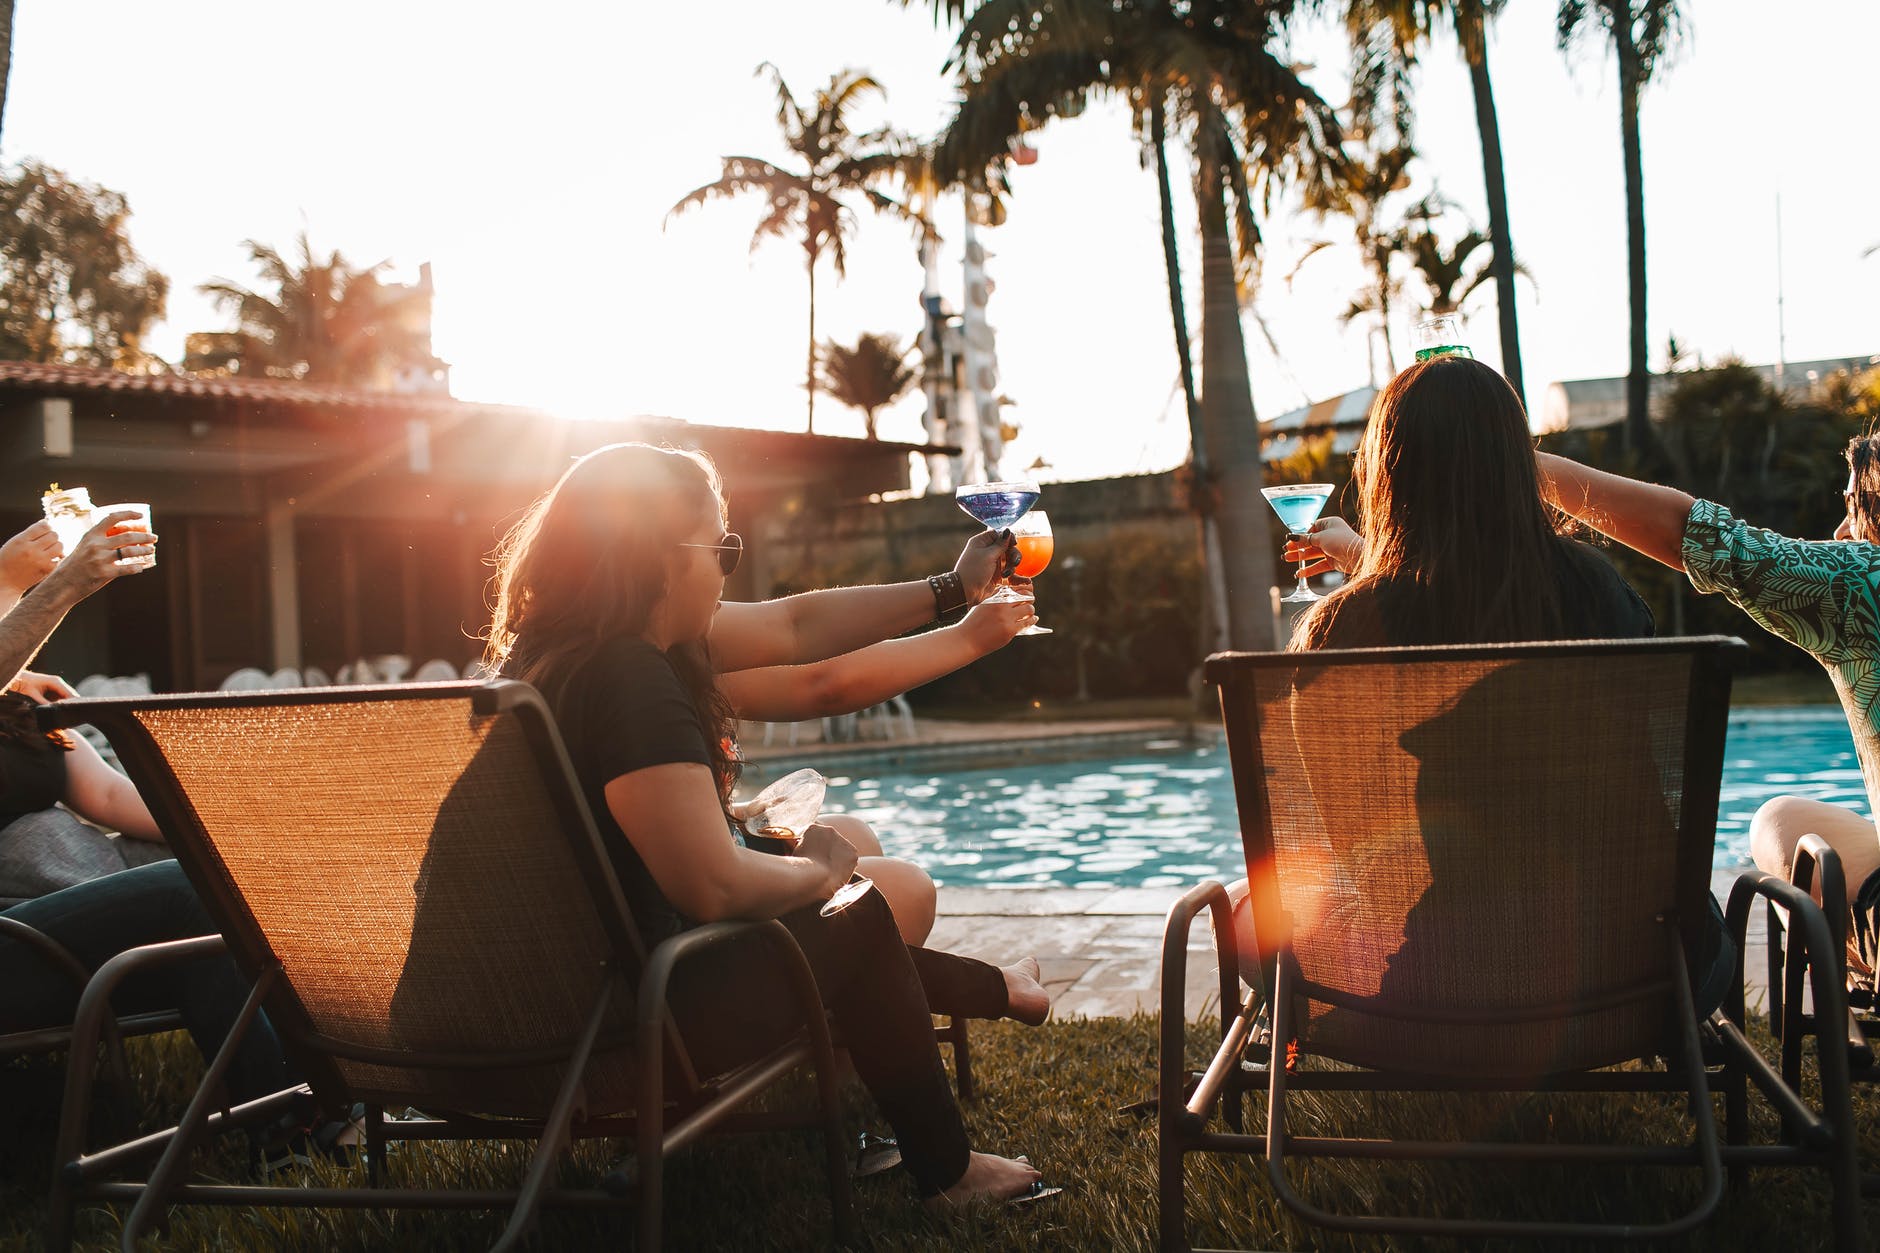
1051	1092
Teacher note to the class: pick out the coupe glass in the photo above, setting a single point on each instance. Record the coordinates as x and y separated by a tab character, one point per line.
1299	506
784	810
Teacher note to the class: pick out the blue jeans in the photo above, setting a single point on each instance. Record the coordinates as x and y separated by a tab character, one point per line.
100	919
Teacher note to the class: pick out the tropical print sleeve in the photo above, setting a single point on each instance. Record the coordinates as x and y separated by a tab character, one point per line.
1817	595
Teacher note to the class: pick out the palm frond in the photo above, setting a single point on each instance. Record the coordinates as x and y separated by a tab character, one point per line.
740	175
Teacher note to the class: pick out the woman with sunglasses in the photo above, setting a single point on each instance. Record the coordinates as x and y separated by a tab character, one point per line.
1823	596
606	595
855	680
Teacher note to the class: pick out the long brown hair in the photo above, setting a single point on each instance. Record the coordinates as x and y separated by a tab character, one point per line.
587	564
1863	502
1451	514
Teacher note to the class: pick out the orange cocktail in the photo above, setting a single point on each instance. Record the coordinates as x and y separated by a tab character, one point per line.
1034	554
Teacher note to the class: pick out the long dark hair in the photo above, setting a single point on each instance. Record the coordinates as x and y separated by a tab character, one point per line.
1451	514
1863	502
19	730
587	564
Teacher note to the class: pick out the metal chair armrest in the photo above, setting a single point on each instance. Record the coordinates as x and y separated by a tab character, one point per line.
57	956
1172	1063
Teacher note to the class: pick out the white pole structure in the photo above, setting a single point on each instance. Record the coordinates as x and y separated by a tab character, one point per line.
979	396
936	372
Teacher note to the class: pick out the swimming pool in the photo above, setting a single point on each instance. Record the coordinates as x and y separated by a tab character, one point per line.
1165	815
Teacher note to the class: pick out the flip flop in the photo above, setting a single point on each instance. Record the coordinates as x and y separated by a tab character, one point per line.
874	1155
1038	1191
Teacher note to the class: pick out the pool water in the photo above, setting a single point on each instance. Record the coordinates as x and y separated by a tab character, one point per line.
1165	816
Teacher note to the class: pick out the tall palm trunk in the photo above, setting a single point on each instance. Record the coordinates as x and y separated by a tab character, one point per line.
1638	429
6	53
1501	258
1213	585
1233	433
809	375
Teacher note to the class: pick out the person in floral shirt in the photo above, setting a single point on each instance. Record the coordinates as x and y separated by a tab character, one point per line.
1823	596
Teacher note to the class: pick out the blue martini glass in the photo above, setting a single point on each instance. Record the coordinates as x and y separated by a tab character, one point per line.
1299	506
998	506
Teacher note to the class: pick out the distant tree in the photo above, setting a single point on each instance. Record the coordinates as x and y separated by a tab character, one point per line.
319	319
72	289
806	204
1450	272
869	375
1357	189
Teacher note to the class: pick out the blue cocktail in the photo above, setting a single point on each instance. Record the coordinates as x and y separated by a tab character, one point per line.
998	506
1299	506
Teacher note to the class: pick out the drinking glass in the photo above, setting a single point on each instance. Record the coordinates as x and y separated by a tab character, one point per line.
998	506
1439	337
140	523
1299	506
1035	545
784	810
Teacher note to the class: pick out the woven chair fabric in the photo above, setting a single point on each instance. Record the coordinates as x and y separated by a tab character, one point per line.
429	901
1438	846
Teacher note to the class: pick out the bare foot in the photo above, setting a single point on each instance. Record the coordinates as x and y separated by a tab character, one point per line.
997	1178
1025	997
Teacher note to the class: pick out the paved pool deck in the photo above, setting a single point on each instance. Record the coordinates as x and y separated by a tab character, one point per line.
1100	950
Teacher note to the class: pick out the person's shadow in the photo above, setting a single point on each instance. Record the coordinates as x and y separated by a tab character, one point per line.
1531	875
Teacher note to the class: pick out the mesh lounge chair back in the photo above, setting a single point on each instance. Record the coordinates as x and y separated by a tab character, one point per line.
1473	857
420	864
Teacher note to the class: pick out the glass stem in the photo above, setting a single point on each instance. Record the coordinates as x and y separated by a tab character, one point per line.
1302	578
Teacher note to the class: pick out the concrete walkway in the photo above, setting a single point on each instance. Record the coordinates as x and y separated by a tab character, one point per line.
1101	951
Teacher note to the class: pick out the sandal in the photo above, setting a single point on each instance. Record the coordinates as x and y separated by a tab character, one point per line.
874	1155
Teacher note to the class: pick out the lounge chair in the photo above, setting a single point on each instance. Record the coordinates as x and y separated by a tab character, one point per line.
412	881
1818	873
1480	869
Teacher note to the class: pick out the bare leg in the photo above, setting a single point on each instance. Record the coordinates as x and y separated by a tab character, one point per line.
1781	823
905	886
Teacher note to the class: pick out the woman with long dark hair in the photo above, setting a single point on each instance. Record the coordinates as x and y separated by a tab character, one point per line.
606	593
1457	545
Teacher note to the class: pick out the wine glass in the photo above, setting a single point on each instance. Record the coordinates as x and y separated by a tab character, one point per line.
784	810
998	506
1299	506
1439	336
1035	545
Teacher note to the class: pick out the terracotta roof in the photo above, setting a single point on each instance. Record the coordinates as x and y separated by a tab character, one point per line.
30	376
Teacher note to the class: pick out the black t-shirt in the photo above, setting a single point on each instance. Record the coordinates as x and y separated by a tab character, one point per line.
625	710
1597	602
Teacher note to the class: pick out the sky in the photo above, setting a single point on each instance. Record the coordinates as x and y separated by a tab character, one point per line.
530	155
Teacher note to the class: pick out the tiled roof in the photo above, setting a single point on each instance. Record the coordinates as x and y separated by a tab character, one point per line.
68	379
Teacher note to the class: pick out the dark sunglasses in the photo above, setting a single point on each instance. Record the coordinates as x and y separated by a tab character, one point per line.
730	550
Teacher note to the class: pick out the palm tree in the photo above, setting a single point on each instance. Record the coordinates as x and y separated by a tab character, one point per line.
1216	70
326	320
6	53
1446	270
1357	190
1642	33
1389	35
807	203
873	373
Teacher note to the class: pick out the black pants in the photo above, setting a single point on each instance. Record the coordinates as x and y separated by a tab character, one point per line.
729	1004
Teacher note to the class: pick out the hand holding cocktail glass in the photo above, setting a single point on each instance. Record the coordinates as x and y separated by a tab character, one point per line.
786	811
1327	545
1298	506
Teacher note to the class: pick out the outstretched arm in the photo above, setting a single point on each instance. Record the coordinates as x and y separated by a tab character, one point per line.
813	626
1643	516
868	676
